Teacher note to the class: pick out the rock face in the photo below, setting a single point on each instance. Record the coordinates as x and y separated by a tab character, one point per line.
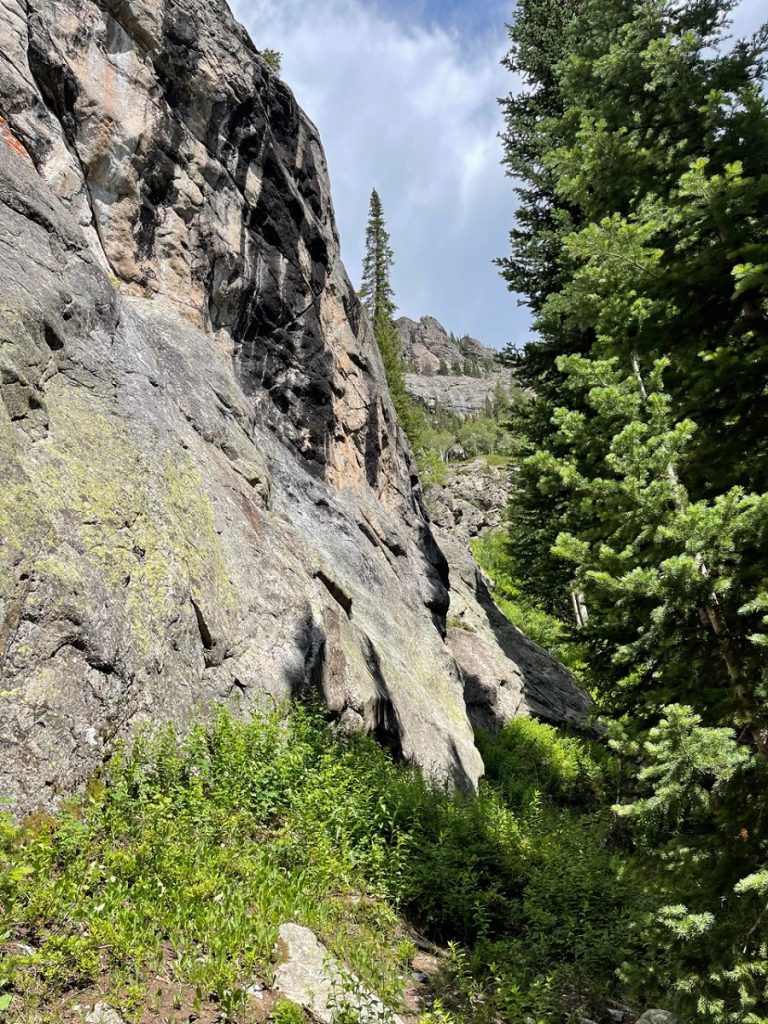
428	349
462	396
205	496
505	674
427	344
471	499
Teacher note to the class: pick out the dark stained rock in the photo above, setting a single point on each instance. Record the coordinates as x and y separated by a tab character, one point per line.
205	496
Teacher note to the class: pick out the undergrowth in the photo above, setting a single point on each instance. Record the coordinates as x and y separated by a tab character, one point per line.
184	860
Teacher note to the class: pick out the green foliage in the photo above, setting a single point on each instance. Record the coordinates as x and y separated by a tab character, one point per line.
378	298
189	856
286	1012
696	820
436	433
641	141
273	59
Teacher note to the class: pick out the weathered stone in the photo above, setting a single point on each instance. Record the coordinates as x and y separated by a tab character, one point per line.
471	499
505	674
205	495
103	1014
308	976
426	345
462	396
656	1017
438	365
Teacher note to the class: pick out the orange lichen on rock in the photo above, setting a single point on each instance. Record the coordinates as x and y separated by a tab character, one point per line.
10	139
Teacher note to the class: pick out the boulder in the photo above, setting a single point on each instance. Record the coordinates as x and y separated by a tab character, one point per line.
308	976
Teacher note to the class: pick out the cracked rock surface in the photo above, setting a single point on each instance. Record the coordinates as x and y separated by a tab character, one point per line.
204	494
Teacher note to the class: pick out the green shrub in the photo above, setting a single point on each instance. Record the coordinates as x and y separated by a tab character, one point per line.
192	853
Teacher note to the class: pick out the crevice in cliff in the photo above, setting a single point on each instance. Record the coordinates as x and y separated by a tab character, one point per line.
336	591
387	728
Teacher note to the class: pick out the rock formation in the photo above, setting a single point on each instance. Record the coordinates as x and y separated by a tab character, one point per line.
470	500
437	362
427	344
205	496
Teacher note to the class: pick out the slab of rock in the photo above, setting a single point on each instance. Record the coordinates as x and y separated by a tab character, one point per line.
506	675
426	344
656	1017
206	497
311	978
463	396
428	349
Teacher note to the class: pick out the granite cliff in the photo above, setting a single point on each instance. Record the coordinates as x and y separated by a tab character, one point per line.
457	375
205	495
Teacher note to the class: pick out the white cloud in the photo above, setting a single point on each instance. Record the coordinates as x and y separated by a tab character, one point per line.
748	17
412	111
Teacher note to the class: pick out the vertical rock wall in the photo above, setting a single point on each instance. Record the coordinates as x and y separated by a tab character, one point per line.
205	497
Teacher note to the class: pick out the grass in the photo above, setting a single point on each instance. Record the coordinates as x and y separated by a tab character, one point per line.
176	869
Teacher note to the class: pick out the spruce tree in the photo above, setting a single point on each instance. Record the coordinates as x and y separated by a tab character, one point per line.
376	288
378	298
643	150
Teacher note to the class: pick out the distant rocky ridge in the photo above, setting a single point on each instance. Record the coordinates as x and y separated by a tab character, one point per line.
204	494
459	375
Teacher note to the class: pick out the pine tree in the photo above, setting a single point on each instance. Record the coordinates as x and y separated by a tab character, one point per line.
643	149
376	289
378	298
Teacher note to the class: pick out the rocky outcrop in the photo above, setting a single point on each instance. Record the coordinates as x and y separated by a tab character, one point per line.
505	674
438	365
205	496
471	498
462	396
426	344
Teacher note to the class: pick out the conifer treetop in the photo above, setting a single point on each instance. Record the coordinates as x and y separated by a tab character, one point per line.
376	289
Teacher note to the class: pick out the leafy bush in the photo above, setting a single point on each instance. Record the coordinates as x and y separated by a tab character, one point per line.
190	854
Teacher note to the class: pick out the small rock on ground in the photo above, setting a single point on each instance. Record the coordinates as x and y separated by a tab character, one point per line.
310	977
103	1014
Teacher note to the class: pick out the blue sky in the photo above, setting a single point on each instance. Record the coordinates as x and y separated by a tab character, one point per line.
404	94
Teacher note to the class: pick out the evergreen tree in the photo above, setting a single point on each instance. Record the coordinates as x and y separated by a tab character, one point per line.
376	288
642	142
378	298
